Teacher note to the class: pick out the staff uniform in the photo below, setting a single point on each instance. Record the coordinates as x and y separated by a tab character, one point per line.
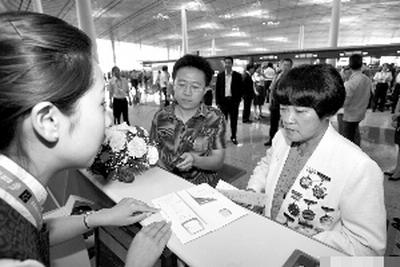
23	235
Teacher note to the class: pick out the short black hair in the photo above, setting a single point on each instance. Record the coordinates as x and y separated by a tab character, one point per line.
250	66
355	61
164	68
316	86
229	58
288	60
194	61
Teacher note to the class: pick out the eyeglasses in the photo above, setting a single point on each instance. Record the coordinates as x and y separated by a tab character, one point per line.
194	87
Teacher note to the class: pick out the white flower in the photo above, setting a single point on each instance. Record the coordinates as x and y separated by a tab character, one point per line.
152	155
137	147
117	140
146	133
122	127
133	130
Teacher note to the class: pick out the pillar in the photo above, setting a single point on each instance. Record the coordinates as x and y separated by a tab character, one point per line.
85	22
112	39
301	37
185	47
213	52
334	28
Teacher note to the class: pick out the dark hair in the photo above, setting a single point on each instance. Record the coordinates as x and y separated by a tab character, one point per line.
355	61
288	60
270	65
250	66
316	86
194	61
164	68
114	69
42	58
228	58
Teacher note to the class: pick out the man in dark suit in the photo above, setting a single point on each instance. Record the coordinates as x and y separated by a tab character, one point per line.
248	92
285	65
228	93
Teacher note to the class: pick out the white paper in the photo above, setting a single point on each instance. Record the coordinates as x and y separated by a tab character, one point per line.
222	185
197	211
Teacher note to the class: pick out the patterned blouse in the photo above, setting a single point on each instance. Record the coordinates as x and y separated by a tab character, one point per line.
201	134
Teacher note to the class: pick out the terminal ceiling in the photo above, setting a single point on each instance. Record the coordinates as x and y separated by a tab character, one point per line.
237	26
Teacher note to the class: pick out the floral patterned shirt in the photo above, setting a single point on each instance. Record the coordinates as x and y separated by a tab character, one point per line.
201	134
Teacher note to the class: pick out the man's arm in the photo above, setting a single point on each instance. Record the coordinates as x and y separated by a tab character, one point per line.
214	161
350	87
218	89
238	83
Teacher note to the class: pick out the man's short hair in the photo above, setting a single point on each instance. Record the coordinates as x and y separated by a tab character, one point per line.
315	86
115	68
355	61
164	68
250	66
228	58
194	61
288	60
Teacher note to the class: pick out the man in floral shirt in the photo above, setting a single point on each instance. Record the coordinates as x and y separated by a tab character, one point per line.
190	135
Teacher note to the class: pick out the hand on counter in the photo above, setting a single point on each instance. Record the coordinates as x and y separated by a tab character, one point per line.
127	211
148	244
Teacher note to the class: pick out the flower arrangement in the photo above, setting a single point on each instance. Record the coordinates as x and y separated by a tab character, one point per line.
125	152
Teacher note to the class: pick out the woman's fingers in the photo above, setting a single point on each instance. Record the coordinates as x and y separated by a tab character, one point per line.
138	218
164	234
154	228
137	205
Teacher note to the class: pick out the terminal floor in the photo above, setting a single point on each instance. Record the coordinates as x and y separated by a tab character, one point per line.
376	133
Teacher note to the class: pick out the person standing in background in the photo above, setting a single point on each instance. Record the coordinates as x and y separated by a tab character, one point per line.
285	66
345	74
228	94
119	93
164	81
382	79
358	90
269	74
248	92
259	90
396	90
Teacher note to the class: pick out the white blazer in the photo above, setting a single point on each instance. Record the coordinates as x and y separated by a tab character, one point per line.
337	197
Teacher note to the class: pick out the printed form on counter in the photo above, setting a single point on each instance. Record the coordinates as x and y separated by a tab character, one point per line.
197	211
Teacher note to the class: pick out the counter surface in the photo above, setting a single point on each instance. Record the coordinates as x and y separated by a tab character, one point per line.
252	240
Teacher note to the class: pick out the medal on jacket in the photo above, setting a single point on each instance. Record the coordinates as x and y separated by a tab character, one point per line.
326	220
308	214
22	194
320	191
293	208
288	219
305	182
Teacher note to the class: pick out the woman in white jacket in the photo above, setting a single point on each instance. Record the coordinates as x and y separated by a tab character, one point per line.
316	181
